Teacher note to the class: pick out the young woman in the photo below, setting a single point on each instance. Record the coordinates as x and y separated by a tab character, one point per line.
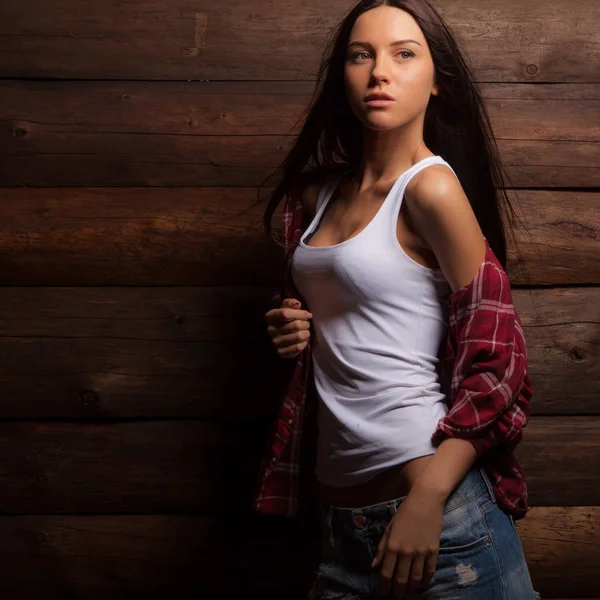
396	289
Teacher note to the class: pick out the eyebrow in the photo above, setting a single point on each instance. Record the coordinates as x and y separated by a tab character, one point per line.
398	43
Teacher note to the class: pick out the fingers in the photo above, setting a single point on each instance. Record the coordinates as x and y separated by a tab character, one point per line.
402	572
291	351
413	582
395	573
281	316
401	580
292	314
387	572
291	339
405	573
290	303
381	546
429	567
291	309
291	327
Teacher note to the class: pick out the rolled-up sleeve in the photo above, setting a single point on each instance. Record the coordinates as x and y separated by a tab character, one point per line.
486	360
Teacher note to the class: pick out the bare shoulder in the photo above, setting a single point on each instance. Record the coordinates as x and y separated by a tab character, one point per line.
435	194
443	217
434	185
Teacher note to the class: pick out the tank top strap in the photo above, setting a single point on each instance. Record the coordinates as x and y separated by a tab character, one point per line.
405	178
426	162
421	165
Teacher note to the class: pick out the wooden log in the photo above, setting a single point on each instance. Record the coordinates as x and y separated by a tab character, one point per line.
205	236
199	466
544	437
568	111
214	236
562	549
235	134
504	40
127	353
186	556
237	161
112	353
562	333
129	467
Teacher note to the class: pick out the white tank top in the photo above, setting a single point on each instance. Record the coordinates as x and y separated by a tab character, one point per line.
379	318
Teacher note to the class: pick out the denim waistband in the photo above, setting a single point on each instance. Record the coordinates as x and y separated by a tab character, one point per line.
475	484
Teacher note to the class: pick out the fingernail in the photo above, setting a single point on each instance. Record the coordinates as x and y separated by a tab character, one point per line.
310	315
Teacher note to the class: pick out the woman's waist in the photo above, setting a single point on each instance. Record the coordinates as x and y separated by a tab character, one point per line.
475	486
393	483
377	395
376	347
362	366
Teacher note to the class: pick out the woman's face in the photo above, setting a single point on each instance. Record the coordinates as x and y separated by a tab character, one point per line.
388	79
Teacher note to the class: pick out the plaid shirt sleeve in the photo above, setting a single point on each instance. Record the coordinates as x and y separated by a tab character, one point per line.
485	361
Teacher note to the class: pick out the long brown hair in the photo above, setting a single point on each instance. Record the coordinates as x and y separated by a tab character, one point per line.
456	126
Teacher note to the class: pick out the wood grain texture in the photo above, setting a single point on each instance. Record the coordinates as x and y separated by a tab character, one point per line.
214	236
235	134
110	353
504	40
204	466
158	556
562	546
562	331
237	161
129	467
130	353
135	237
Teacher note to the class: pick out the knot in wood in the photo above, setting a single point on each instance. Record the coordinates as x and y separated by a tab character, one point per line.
89	397
577	354
531	69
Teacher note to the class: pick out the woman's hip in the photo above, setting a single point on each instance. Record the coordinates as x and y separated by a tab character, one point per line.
480	554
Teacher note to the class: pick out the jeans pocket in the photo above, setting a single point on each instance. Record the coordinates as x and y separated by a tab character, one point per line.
466	570
482	541
464	529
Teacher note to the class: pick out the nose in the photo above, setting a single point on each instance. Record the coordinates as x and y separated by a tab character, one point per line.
380	72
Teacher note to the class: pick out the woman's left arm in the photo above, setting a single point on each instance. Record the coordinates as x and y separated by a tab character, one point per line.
442	215
407	553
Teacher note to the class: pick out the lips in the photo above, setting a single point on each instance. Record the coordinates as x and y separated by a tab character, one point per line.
379	100
379	96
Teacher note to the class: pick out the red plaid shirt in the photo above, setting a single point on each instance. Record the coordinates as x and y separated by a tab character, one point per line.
483	360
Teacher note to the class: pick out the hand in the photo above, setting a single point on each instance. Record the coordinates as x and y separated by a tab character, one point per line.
410	544
289	327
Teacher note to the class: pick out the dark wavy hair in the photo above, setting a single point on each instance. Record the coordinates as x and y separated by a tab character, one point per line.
456	126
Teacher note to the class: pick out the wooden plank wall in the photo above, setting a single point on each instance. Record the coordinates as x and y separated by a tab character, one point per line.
136	380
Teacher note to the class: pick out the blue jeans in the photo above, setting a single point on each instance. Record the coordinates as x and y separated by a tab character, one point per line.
480	555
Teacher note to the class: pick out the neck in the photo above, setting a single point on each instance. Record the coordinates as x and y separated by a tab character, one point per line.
387	154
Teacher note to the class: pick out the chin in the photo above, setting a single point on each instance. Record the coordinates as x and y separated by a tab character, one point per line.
381	122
